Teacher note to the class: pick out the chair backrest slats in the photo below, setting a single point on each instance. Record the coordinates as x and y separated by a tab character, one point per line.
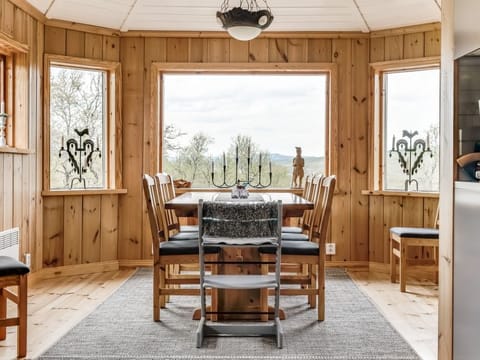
323	210
166	190
154	211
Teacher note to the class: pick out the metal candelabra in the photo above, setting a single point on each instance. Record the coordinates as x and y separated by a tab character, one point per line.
80	155
410	154
258	184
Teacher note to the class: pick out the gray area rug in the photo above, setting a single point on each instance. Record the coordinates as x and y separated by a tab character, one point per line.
122	328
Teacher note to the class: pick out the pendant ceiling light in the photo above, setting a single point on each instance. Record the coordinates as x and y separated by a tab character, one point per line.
245	21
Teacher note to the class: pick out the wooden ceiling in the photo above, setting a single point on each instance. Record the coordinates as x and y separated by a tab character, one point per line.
199	15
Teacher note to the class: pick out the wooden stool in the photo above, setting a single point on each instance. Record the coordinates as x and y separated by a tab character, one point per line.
14	273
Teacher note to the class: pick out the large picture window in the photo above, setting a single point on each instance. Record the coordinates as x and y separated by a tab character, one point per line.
407	109
81	115
210	120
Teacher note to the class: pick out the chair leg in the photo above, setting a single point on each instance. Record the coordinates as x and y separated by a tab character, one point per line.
3	313
321	290
393	265
312	299
264	295
156	292
162	273
403	265
22	317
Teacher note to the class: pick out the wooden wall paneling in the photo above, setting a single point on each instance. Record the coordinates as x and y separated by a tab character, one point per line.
319	50
432	43
131	204
341	132
7	18
377	49
297	50
91	239
238	50
19	25
109	228
55	40
21	101
359	150
394	47
8	181
27	216
218	50
155	51
177	50
3	174
392	216
413	45
73	230
376	233
413	216
111	48
75	43
258	50
53	231
17	190
277	50
93	46
198	50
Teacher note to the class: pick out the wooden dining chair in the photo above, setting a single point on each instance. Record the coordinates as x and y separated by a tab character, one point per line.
310	252
403	238
166	191
14	273
169	252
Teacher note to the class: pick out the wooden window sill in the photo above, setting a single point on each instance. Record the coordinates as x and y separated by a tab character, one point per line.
401	193
13	150
80	192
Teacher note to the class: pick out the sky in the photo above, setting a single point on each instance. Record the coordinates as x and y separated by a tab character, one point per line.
279	112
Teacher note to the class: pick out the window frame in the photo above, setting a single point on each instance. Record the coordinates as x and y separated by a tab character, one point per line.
156	101
15	86
377	93
112	138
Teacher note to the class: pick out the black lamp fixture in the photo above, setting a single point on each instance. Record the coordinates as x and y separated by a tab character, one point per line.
245	21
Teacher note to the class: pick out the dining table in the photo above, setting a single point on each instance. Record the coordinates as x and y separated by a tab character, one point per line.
239	304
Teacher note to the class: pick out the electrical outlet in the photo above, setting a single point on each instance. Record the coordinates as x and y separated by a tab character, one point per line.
27	259
330	248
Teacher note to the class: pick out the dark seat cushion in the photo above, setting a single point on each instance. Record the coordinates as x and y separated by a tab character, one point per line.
184	247
294	237
293	248
412	232
292	229
9	266
184	235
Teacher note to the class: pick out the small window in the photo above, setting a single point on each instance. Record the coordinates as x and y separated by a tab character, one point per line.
407	114
81	126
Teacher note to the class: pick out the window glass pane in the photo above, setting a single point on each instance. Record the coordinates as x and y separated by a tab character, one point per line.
411	125
77	128
208	115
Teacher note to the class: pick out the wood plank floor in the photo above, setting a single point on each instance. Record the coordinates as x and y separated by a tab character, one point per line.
56	305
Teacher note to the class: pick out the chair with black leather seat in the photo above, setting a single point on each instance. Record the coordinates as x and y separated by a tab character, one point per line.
401	239
14	273
166	190
170	252
310	252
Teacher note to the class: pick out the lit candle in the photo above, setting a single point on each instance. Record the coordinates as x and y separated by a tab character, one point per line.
393	143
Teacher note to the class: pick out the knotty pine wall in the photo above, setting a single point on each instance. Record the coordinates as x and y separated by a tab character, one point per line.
20	172
78	229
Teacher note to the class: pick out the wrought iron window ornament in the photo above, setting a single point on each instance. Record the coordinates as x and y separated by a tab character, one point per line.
245	21
248	182
80	155
410	154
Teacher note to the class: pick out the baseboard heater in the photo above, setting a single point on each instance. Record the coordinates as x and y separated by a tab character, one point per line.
10	243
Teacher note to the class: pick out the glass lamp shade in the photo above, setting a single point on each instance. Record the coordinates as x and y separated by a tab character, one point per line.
244	33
